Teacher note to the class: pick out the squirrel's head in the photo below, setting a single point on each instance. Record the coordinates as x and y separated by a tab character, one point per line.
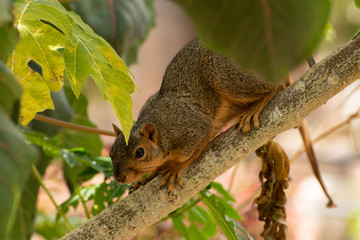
141	155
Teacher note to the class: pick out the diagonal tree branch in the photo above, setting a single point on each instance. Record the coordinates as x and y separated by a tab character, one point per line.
148	204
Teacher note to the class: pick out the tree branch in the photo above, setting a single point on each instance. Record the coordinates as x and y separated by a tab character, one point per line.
149	204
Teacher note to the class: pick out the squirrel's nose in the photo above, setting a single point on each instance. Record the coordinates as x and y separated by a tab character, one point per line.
118	176
122	178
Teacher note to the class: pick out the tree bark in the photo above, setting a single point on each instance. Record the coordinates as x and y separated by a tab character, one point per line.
288	108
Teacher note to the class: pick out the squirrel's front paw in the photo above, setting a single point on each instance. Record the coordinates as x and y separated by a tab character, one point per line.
169	179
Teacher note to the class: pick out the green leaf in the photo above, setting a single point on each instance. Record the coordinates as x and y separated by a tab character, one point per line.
218	212
195	233
80	166
51	229
15	166
26	216
269	37
107	195
220	189
8	40
230	211
27	209
10	91
243	230
39	42
58	40
210	228
124	24
180	226
200	215
107	69
357	3
79	161
48	145
103	194
196	216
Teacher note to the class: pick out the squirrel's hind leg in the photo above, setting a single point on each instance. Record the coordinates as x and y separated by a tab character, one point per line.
253	112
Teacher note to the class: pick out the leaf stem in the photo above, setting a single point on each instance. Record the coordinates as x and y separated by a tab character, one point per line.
78	127
38	177
76	187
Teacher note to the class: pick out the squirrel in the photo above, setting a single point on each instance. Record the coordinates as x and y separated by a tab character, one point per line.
202	92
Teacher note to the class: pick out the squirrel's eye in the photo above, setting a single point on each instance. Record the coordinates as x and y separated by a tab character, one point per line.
139	153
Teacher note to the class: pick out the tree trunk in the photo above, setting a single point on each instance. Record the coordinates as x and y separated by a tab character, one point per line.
288	108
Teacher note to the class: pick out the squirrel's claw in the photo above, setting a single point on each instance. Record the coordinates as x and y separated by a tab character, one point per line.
244	124
135	186
169	180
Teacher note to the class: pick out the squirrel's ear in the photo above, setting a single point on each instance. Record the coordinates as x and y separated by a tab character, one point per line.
149	131
117	130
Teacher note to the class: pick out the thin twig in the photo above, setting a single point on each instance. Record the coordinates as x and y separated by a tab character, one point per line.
338	126
38	177
78	127
305	135
337	108
327	133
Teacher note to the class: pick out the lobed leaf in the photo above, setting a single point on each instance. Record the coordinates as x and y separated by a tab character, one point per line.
220	189
59	41
38	42
124	24
218	211
209	226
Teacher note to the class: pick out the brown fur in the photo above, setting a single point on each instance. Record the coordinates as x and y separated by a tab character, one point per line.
202	91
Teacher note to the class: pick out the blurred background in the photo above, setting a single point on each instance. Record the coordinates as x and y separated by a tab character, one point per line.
337	153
